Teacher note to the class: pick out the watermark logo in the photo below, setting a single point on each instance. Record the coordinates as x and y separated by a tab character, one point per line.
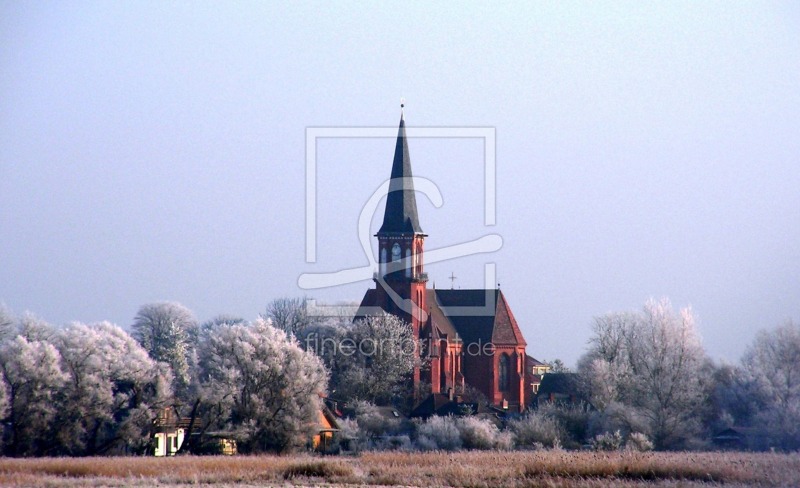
368	346
488	243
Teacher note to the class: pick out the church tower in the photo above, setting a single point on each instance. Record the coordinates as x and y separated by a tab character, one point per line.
467	337
401	281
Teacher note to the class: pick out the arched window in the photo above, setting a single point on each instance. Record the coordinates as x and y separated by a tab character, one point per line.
505	377
383	261
408	263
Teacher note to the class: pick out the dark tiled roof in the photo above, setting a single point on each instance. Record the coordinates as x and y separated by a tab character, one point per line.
442	326
560	383
506	330
369	305
463	315
400	216
532	361
473	328
480	316
441	405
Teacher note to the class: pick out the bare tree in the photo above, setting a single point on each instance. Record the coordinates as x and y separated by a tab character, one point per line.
375	359
772	368
288	314
647	372
557	366
7	324
167	330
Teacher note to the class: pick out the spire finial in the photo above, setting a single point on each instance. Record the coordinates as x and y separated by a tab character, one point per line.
402	105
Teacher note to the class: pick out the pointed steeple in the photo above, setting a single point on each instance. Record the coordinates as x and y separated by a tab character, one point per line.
401	204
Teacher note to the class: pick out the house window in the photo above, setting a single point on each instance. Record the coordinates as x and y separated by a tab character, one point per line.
505	365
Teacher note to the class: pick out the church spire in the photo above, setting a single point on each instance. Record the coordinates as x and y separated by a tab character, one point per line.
400	216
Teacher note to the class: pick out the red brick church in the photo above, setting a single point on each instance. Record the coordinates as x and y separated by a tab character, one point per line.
471	336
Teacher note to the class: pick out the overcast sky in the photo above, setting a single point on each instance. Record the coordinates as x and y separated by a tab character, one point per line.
156	151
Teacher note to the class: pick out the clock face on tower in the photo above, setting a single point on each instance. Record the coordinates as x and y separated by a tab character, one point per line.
396	252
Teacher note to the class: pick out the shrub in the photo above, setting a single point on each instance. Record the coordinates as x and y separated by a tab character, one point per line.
478	433
536	428
504	441
374	424
573	419
638	442
392	443
453	433
351	437
439	433
607	442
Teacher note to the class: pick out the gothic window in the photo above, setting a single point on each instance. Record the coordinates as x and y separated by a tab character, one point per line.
408	263
505	366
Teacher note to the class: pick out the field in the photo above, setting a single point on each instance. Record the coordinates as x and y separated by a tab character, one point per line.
464	469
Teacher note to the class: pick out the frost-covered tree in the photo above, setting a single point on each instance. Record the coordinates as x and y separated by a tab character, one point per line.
201	415
3	404
219	320
33	328
375	358
167	331
114	390
8	328
288	314
771	366
34	379
647	372
259	382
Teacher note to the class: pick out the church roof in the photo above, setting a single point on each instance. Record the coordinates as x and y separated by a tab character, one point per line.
440	322
479	316
462	315
400	216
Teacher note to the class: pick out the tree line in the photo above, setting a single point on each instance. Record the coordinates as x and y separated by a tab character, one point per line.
93	389
645	380
647	372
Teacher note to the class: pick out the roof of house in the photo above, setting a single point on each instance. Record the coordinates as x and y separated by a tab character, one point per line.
560	383
400	216
327	419
532	361
442	405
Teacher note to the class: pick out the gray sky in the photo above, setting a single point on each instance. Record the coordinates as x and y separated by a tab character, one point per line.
156	151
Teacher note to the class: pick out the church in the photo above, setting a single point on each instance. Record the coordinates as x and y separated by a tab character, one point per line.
470	337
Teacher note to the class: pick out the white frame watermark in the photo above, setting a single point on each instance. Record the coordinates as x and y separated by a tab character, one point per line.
488	243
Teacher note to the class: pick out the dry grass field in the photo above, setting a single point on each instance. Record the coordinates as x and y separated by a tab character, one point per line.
464	469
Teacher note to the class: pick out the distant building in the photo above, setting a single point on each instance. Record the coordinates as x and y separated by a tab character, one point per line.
169	431
485	350
534	372
740	439
564	388
328	428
